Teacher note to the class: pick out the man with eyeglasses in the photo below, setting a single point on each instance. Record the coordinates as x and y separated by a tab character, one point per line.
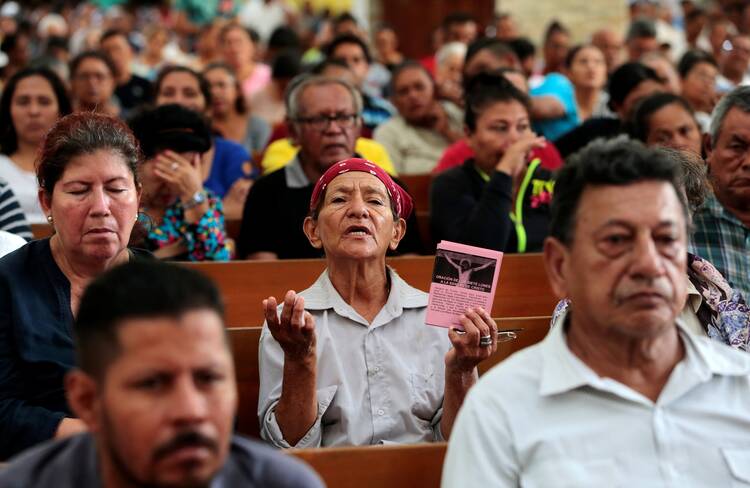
735	64
92	83
324	119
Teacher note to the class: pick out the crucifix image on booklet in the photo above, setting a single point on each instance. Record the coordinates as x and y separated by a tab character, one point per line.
463	277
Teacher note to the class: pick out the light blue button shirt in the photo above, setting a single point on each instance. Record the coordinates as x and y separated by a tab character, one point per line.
544	418
376	383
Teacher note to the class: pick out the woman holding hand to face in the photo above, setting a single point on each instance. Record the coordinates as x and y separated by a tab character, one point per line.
89	191
350	360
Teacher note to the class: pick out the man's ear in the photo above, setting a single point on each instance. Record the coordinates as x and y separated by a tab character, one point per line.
399	231
556	261
83	397
310	228
293	132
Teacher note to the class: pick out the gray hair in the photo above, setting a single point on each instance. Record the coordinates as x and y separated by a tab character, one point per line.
299	84
740	98
449	50
694	176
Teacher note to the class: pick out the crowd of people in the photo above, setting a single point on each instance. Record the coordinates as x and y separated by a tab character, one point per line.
136	133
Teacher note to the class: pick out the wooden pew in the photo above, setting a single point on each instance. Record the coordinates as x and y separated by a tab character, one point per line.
402	466
419	189
244	342
522	291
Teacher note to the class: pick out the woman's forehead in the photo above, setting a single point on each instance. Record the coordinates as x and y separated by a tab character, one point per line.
357	180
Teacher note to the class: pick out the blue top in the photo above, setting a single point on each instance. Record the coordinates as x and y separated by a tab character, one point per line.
226	168
36	346
560	87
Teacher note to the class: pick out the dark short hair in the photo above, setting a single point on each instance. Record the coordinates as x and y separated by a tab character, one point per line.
286	65
342	18
84	133
640	119
485	89
456	18
113	33
284	37
320	68
93	54
407	65
498	48
641	28
347	39
8	135
171	126
239	103
139	289
203	85
691	59
626	78
555	27
619	162
522	46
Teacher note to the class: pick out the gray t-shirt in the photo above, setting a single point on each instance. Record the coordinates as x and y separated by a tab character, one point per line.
72	463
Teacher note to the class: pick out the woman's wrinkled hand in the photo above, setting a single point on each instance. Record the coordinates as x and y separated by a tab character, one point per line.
293	329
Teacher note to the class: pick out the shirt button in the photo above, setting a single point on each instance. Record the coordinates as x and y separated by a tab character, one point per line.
381	412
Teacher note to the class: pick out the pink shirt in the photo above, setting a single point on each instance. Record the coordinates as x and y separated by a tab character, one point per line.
260	77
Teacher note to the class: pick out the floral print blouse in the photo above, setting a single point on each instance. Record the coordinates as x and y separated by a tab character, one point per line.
205	240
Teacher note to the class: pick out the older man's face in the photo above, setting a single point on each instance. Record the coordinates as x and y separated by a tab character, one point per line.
624	270
325	142
167	402
729	161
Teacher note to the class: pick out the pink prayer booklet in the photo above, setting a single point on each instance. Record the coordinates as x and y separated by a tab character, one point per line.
464	276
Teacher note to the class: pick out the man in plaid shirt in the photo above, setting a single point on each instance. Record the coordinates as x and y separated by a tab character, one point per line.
722	225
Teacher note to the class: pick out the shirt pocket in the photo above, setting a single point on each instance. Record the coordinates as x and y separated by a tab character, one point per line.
572	473
739	465
426	395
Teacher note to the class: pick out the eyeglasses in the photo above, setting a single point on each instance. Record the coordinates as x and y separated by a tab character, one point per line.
321	122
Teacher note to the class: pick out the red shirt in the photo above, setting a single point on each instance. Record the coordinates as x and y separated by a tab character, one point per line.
460	151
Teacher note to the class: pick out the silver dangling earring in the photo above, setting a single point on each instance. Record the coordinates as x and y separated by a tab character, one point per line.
50	219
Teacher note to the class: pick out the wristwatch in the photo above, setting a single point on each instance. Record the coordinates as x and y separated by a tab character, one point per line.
198	198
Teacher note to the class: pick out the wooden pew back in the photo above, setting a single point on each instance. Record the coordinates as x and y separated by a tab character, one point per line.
522	291
419	189
244	342
404	466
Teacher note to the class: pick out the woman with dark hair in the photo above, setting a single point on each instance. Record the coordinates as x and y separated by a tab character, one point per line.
238	50
664	119
226	165
32	101
230	113
89	191
187	222
498	199
586	69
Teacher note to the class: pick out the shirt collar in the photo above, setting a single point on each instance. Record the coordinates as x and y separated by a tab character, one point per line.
295	175
694	297
323	296
563	371
713	206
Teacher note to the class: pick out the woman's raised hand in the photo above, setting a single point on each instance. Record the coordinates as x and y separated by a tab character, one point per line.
513	161
294	329
181	174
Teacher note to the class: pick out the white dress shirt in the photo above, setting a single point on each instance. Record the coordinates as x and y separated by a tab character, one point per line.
25	187
543	418
376	383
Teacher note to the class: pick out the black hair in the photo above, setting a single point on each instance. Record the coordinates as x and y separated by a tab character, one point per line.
140	289
555	27
113	33
286	65
203	85
239	103
93	54
497	47
573	52
619	162
625	78
641	28
8	135
407	65
691	59
639	124
342	18
319	68
456	18
522	46
284	37
171	126
348	39
485	89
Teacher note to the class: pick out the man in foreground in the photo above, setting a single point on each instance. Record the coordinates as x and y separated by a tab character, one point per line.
622	393
156	388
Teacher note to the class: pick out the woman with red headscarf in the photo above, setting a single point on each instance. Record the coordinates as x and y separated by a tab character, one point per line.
350	360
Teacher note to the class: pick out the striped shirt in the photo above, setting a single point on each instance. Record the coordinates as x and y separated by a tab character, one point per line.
724	241
12	218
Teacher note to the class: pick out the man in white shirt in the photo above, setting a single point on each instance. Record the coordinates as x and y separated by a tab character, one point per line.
622	394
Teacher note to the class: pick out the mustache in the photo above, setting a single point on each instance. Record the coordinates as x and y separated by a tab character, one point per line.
658	286
187	438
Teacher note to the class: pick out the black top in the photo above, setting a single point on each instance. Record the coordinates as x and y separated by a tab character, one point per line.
72	463
133	93
36	346
467	209
594	128
273	216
